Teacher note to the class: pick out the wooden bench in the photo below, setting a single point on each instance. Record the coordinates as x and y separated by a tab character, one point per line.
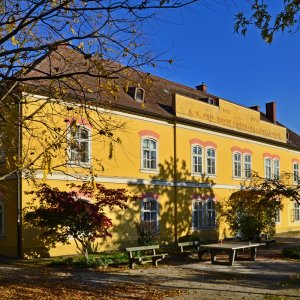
191	247
144	254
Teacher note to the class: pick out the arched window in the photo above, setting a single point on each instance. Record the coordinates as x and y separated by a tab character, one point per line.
197	159
211	161
79	142
296	172
139	94
268	168
149	154
237	164
149	215
247	165
203	214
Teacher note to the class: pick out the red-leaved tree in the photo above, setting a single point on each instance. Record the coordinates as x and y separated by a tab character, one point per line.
78	213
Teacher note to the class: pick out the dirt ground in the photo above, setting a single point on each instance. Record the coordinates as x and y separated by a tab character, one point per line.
270	277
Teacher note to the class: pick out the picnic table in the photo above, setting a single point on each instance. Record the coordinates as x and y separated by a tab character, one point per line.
232	249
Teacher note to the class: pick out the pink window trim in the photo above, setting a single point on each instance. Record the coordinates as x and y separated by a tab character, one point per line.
203	144
268	155
295	160
150	195
150	133
203	197
243	151
80	122
83	196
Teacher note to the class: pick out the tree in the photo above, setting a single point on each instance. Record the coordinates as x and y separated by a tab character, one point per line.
79	213
270	18
252	210
36	39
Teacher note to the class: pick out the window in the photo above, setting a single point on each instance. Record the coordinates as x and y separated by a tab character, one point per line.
149	154
204	214
276	168
1	218
296	212
150	215
237	164
242	165
247	165
277	216
79	145
296	172
211	161
272	168
139	94
197	159
268	168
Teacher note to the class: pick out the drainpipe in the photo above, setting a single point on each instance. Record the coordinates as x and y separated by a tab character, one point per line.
19	183
175	180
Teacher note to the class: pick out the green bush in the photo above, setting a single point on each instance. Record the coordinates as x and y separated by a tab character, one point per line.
94	261
291	252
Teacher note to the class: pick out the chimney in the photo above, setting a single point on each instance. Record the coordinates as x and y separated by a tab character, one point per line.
271	111
255	107
202	87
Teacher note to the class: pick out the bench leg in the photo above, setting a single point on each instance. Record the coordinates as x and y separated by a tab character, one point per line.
131	264
213	256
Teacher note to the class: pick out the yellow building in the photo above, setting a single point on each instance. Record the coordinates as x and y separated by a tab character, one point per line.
181	149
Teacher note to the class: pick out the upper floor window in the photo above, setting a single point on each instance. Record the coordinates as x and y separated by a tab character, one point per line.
237	164
149	215
1	218
149	154
268	168
272	168
247	165
139	94
197	159
276	164
296	212
296	172
211	161
79	143
203	214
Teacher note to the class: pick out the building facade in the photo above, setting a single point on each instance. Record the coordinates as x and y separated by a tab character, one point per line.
182	150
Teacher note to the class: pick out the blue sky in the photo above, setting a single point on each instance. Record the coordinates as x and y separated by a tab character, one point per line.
245	70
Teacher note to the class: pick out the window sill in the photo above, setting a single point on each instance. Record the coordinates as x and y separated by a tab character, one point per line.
204	228
241	178
197	174
79	165
149	171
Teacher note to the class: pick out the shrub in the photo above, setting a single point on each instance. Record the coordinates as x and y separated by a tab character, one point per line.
147	234
291	252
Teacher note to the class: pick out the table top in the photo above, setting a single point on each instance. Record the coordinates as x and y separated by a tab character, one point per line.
231	246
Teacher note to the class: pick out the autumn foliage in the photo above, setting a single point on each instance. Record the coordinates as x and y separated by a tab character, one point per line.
78	213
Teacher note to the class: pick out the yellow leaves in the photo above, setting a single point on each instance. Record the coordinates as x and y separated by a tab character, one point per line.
14	41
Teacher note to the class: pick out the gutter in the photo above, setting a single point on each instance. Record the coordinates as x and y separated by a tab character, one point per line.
19	186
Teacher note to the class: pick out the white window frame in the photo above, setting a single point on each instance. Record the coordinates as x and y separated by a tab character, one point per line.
143	211
197	156
136	93
143	168
296	212
296	172
278	216
214	159
88	140
237	164
268	172
208	207
2	219
246	165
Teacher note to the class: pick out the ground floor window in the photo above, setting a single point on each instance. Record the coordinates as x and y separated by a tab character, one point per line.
204	214
277	216
296	212
149	214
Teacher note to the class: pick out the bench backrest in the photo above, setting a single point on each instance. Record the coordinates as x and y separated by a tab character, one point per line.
142	248
192	243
